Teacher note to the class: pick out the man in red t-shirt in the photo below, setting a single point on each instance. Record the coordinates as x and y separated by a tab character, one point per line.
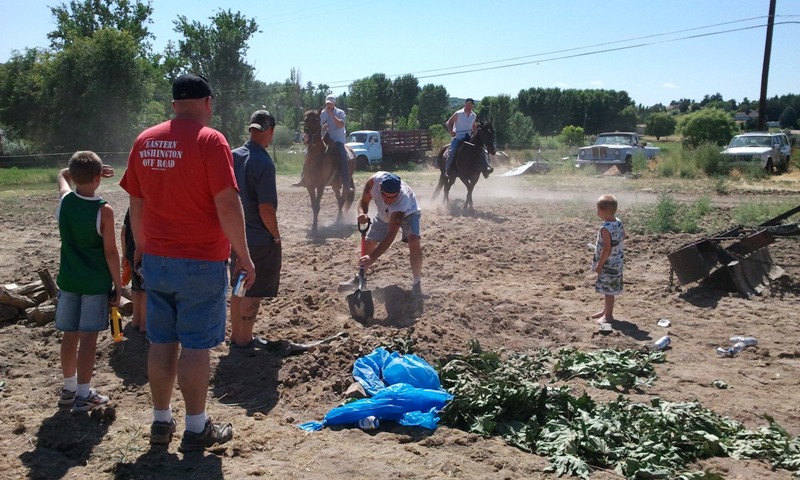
185	216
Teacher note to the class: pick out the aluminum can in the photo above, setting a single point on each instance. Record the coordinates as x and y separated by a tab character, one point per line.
369	423
747	341
662	343
238	287
731	351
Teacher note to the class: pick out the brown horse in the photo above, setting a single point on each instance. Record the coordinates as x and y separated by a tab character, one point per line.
468	163
320	168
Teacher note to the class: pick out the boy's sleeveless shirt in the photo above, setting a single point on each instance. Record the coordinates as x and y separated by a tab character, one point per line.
83	267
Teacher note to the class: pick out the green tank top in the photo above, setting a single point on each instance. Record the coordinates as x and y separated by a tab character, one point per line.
83	262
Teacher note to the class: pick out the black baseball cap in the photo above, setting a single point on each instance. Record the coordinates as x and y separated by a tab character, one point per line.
261	120
390	184
190	86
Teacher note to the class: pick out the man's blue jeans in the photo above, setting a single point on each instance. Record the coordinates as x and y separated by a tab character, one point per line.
451	155
344	167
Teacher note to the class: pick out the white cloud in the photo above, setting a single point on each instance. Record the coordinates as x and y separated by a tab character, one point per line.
670	86
596	83
562	85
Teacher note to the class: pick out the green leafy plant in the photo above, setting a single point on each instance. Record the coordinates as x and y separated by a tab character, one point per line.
497	394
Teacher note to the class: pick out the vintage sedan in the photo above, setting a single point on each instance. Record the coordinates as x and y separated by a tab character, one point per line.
615	148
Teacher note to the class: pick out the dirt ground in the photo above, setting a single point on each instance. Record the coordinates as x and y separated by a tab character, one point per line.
515	275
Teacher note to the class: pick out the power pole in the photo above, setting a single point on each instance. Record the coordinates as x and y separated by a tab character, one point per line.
762	101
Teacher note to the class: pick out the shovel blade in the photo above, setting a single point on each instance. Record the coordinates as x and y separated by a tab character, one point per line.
361	306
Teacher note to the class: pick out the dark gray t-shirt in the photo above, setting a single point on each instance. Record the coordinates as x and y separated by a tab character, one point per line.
255	175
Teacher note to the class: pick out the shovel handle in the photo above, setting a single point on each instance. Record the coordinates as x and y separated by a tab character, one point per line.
363	232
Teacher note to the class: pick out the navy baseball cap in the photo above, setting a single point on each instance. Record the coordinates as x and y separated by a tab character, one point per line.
390	184
190	86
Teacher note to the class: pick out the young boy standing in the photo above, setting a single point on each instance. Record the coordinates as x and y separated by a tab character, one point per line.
608	257
89	270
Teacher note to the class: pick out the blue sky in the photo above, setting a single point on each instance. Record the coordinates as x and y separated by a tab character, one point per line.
656	50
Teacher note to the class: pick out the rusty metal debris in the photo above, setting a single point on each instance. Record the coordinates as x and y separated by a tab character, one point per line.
736	259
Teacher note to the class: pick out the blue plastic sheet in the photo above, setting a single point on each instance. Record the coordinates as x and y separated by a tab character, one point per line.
404	389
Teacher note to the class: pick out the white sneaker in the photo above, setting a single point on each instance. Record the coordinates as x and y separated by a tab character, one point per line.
94	400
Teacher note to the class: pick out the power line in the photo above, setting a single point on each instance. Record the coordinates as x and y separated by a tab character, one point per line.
595	52
595	45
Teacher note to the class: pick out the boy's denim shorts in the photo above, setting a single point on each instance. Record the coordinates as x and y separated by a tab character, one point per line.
186	301
81	313
378	230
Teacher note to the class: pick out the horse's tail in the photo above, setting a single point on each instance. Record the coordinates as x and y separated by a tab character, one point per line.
440	161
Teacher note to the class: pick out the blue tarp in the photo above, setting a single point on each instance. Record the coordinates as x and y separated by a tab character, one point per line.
404	389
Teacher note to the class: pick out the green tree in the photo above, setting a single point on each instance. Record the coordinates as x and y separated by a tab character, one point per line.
521	131
405	90
217	51
572	136
432	103
370	99
104	85
21	87
788	118
81	19
707	125
411	122
626	119
661	124
500	110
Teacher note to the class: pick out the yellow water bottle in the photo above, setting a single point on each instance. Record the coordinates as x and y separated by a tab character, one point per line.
116	325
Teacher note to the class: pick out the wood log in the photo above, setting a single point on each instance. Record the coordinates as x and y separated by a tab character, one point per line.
39	296
26	289
42	314
15	300
8	313
47	281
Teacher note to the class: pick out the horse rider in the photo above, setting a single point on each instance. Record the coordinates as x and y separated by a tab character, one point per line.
332	121
461	126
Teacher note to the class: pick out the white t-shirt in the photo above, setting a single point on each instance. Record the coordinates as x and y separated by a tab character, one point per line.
406	202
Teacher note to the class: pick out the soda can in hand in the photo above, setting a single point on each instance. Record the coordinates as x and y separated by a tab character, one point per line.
238	287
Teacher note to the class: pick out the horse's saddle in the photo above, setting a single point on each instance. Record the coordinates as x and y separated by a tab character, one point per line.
460	147
351	155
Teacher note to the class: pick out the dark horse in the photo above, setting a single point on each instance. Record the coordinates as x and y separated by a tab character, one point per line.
468	163
320	168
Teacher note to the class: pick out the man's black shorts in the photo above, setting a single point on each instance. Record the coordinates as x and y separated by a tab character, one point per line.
267	259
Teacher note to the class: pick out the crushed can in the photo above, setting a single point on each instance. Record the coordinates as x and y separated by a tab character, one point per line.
731	351
747	341
238	286
369	423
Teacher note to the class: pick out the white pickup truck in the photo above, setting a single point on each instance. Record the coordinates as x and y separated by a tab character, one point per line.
374	148
615	148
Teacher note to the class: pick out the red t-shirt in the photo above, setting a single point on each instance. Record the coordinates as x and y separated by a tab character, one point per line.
178	167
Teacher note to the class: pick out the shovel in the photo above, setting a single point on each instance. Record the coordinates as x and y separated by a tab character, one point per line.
360	301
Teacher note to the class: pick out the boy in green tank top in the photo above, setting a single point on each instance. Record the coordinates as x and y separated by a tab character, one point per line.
89	271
